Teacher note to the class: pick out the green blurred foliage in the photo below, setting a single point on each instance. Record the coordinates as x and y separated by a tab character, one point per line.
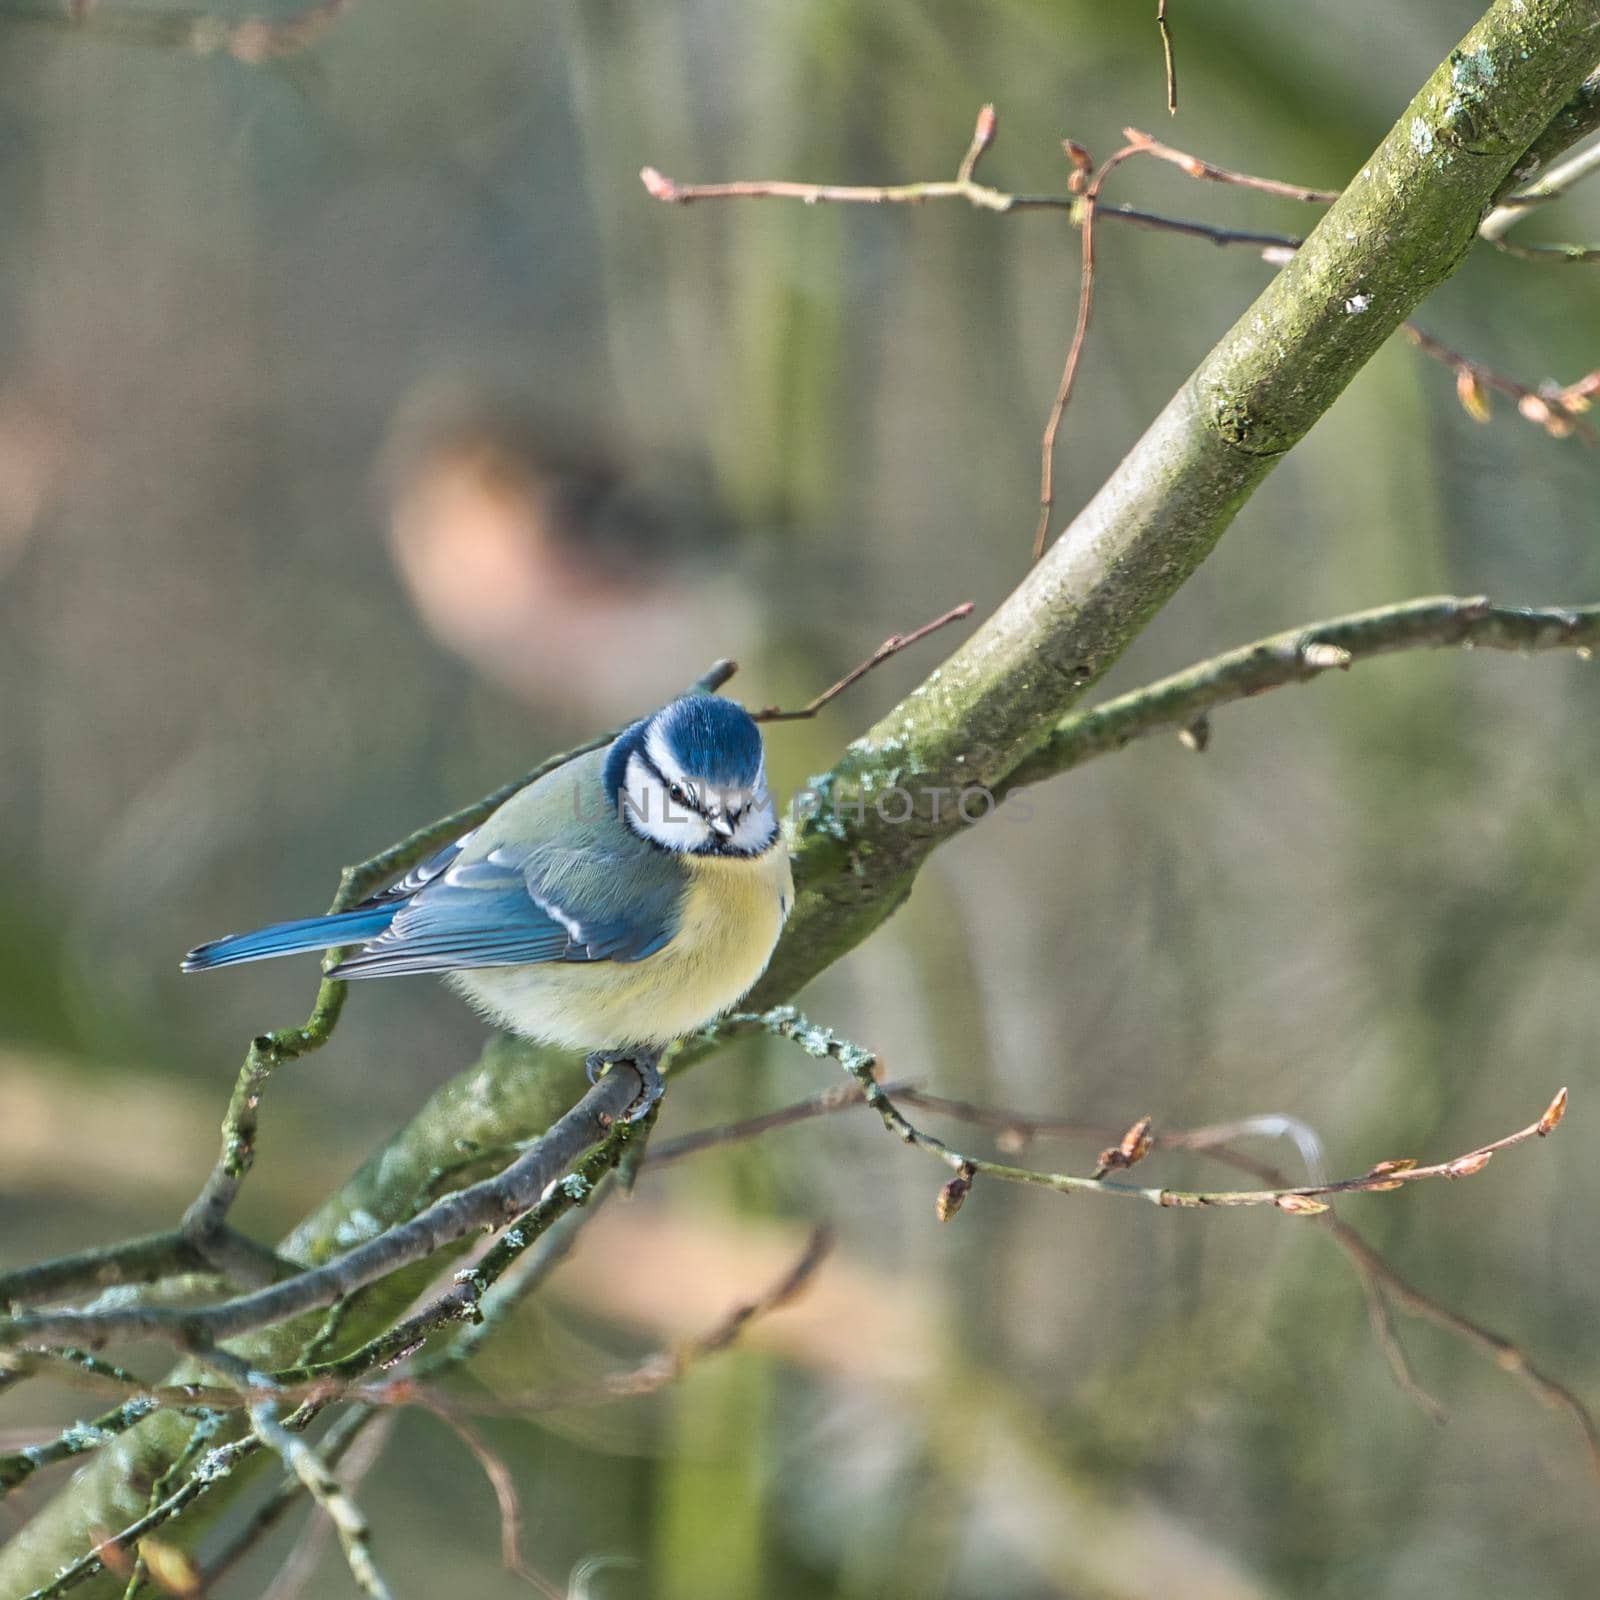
1371	905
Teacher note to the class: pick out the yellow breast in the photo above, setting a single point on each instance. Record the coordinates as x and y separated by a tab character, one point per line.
733	912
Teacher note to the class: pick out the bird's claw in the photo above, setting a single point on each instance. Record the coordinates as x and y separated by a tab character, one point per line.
644	1062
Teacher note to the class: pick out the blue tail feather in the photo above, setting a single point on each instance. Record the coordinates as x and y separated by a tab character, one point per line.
285	938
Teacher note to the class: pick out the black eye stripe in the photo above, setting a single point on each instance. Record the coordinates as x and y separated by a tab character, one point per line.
675	791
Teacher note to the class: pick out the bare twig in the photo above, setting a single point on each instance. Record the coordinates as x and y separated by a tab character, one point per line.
211	1469
1298	656
1302	1199
351	1426
323	1487
838	1098
1556	408
668	1367
983	133
1505	1354
1552	408
892	646
1379	1281
1210	172
1080	332
1167	57
1562	177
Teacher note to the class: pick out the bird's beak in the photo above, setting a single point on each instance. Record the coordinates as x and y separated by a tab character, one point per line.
720	824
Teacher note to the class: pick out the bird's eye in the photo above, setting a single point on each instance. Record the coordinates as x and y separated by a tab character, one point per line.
678	793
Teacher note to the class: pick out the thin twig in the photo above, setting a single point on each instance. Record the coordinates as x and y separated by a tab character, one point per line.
1506	1355
1080	332
892	646
838	1098
1298	656
346	1516
1380	1282
211	1469
1274	247
1210	172
1562	177
1303	1199
1553	408
668	190
983	133
334	1445
667	1367
1556	408
1167	58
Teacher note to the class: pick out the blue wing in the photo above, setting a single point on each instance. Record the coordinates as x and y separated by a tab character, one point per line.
512	907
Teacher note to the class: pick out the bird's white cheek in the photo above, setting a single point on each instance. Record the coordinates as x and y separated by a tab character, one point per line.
757	829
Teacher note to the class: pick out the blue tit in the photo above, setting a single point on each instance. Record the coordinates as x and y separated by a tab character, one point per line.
619	902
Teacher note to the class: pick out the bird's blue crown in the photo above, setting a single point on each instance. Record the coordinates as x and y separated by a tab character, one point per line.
712	740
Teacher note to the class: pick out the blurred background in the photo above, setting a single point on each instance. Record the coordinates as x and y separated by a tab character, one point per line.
366	433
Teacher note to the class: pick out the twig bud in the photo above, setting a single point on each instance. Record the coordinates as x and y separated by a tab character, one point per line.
1473	395
1132	1148
988	125
1082	166
1320	656
1384	1168
658	185
1196	736
1575	397
953	1195
1300	1205
1467	1165
1553	1113
1554	419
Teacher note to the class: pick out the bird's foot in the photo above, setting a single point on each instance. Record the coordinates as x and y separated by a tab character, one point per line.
645	1062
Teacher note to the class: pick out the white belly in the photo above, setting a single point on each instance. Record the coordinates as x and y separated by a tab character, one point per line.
733	912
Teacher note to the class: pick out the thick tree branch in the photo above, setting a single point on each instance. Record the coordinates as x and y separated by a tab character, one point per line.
1398	229
1576	120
